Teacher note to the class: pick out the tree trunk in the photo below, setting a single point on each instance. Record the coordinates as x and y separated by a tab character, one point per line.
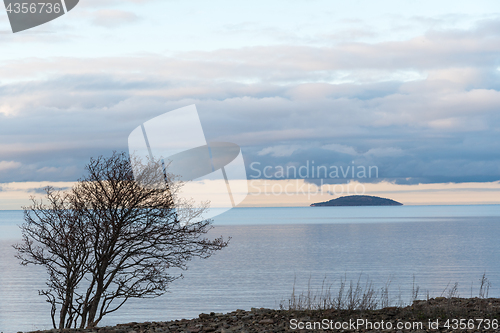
95	303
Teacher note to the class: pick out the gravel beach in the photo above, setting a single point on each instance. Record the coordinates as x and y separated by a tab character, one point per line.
434	315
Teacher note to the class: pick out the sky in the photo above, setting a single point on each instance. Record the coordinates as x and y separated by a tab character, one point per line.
408	87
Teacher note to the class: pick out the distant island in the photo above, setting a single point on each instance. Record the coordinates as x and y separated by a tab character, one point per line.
358	200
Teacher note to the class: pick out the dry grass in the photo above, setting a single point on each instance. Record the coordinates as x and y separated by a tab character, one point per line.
361	295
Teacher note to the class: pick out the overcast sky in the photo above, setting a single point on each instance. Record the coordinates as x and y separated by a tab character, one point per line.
411	87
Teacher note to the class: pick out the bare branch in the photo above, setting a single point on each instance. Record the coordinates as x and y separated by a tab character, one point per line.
111	238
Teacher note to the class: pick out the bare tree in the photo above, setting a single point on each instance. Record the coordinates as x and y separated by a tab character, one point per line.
110	239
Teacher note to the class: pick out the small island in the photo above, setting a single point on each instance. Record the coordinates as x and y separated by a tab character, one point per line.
358	200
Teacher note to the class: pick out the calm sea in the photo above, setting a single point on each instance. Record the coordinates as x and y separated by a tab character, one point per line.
435	246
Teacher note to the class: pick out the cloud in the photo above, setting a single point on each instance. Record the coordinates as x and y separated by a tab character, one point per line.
109	3
279	151
292	64
424	109
340	149
42	190
6	165
373	152
111	18
385	151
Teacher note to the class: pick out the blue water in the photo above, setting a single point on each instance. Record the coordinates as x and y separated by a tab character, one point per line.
272	247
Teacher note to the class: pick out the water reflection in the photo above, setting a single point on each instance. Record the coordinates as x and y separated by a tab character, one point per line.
259	267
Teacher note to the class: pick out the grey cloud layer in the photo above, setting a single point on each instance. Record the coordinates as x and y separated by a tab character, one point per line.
422	110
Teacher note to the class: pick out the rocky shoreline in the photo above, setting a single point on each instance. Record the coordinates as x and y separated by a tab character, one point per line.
434	315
